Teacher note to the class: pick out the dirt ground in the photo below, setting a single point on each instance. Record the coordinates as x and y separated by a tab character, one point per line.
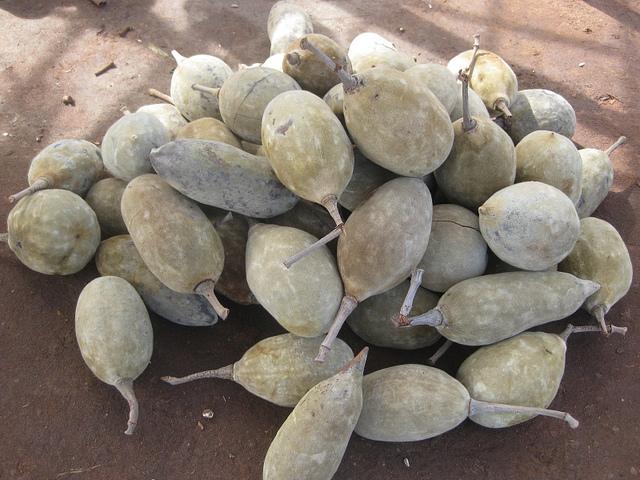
58	421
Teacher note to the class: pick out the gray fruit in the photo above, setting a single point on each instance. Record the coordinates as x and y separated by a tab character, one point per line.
104	198
335	98
540	109
286	23
388	58
306	216
440	81
367	43
367	176
115	336
168	115
476	106
208	128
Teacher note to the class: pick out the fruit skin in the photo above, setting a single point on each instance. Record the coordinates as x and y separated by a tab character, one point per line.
307	146
540	109
208	128
53	231
205	70
456	249
597	178
439	80
385	238
286	23
492	78
275	61
490	308
476	106
113	330
281	369
304	298
409	402
312	440
366	43
372	320
245	95
223	176
530	225
118	257
397	122
174	238
72	165
366	177
481	162
600	255
335	98
307	216
524	370
308	70
104	198
168	115
388	58
128	142
550	158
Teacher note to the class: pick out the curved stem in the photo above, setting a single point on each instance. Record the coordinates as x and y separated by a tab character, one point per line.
474	56
177	57
468	123
227	218
598	312
349	82
125	387
206	289
477	407
162	96
441	351
416	281
432	318
39	184
330	202
357	363
4	237
617	143
225	373
347	306
202	88
502	106
335	233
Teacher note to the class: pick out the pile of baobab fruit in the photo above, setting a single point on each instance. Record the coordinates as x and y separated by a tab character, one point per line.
239	184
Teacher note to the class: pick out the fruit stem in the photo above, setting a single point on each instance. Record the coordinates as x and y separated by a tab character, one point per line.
474	56
349	82
432	318
39	184
441	351
177	57
225	373
206	289
468	123
598	312
330	202
357	363
590	328
293	58
622	140
416	281
289	262
502	106
125	387
202	88
478	407
347	305
162	96
4	237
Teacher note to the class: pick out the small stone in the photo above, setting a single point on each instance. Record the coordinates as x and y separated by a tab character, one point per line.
401	29
406	462
581	64
200	426
68	100
619	350
615	429
208	413
234	5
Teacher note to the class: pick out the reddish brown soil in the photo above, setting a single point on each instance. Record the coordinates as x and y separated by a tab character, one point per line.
58	421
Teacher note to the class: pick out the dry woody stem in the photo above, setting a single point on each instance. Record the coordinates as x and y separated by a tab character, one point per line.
441	351
468	123
39	184
477	407
225	373
590	328
201	88
347	306
622	140
348	81
162	96
125	387
416	281
206	289
432	318
105	68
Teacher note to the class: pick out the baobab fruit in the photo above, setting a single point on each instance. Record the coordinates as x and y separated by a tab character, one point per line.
335	98
304	298
371	320
104	198
312	440
307	216
72	165
530	225
245	95
456	249
600	255
252	148
367	176
118	257
222	176
208	128
174	238
551	158
384	240
482	159
524	370
115	336
367	43
440	81
476	106
386	58
274	61
308	150
540	109
394	121
278	369
308	70
205	70
492	79
490	308
597	177
433	403
128	142
287	22
53	232
168	115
